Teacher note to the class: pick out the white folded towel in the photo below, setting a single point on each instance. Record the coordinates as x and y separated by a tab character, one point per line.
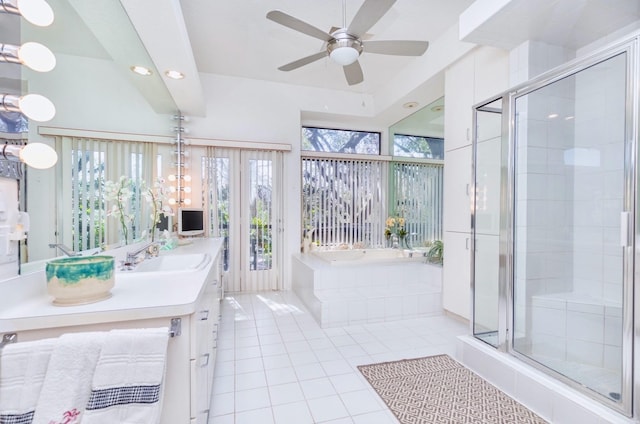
22	371
67	384
127	383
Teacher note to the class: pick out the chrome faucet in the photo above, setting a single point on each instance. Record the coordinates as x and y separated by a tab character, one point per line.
150	249
64	249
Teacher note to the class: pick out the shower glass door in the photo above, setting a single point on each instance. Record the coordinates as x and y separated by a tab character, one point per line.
571	246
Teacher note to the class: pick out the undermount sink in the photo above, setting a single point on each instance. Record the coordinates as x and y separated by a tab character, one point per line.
186	262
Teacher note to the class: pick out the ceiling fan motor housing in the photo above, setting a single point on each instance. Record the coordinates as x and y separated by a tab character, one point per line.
343	39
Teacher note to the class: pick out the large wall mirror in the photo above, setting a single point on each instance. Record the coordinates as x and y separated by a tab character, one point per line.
426	122
94	90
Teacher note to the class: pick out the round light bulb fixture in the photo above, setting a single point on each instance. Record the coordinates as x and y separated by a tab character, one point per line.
187	178
37	57
171	177
33	55
37	107
37	12
344	49
187	202
38	155
35	155
33	106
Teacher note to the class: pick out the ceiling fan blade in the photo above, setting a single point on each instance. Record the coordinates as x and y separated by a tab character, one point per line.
298	25
304	61
369	13
353	73
396	47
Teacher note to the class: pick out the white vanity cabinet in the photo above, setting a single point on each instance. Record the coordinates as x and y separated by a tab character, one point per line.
204	333
190	301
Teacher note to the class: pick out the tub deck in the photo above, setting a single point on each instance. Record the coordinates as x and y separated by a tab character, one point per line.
357	292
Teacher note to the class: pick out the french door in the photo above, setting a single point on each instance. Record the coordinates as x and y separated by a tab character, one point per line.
244	197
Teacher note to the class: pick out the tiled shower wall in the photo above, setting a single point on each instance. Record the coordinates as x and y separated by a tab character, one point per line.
570	198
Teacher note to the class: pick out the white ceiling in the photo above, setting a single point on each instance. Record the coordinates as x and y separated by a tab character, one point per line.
235	38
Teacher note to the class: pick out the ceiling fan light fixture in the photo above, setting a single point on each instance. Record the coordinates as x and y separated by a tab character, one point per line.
344	49
344	55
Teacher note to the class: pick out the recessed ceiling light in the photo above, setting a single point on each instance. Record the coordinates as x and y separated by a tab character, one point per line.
437	108
141	70
552	115
174	74
410	105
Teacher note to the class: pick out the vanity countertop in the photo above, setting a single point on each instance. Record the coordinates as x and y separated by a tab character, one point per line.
25	304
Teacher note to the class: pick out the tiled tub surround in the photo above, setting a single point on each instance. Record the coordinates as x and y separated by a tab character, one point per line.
355	291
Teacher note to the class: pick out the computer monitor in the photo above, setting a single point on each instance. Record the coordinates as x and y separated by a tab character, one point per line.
190	221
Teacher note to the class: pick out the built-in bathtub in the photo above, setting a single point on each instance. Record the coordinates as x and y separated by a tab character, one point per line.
355	256
350	287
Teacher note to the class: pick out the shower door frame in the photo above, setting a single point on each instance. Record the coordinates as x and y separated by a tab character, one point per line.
629	404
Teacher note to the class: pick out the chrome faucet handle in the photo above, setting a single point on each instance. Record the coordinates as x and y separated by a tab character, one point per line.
152	251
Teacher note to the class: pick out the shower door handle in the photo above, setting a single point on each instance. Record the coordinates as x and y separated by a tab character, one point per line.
624	229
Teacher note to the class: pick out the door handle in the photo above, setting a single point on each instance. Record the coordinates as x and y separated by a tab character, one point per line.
624	229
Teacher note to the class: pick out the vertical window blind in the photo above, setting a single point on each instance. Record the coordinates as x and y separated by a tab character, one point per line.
417	196
343	201
85	165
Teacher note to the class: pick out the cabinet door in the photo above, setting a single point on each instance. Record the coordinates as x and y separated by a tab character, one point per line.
456	273
459	100
457	186
200	395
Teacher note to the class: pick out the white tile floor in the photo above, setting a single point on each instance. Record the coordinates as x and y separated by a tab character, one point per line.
275	365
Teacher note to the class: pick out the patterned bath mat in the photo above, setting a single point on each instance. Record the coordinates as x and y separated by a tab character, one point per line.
438	389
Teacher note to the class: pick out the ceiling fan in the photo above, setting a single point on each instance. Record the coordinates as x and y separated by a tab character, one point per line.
345	45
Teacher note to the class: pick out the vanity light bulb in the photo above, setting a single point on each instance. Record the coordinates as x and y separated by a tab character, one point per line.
37	57
172	177
187	189
38	155
187	202
172	189
37	107
187	178
38	12
172	201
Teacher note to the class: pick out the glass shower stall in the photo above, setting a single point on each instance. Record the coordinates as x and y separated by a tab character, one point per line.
554	219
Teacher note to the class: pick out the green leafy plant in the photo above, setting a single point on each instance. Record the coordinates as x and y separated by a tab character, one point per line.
435	253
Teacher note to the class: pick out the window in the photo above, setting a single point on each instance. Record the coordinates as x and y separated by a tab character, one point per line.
84	171
342	201
417	196
418	146
346	201
340	141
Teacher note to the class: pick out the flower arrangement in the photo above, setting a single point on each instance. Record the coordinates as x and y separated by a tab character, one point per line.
395	225
157	197
120	192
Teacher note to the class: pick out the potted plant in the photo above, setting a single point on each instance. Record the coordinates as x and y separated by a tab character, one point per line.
435	253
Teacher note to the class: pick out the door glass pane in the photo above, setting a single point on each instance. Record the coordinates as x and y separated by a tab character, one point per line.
487	222
569	195
260	228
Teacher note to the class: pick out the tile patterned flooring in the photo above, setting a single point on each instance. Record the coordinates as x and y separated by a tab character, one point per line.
275	365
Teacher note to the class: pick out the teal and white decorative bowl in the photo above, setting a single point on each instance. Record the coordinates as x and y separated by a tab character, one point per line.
80	280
